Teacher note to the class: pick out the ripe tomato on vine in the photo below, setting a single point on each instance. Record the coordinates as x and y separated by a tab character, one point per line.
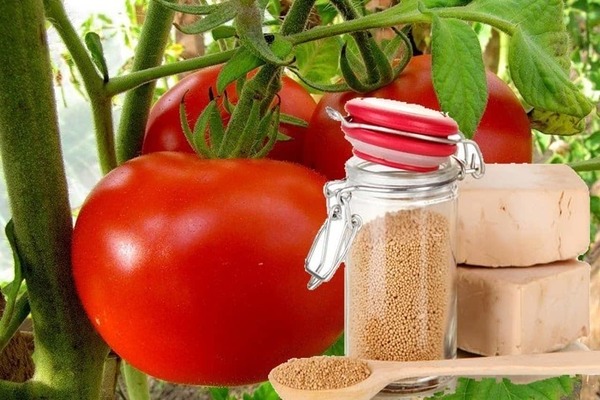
164	131
192	269
504	134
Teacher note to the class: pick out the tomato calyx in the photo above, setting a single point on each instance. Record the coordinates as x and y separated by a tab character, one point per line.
211	139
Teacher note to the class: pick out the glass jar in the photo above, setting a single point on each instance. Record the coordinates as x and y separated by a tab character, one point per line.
392	220
400	269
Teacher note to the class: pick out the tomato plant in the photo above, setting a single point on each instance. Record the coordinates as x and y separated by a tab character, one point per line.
192	270
232	302
503	134
164	132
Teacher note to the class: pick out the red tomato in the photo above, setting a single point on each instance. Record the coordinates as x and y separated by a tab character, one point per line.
503	134
193	270
164	132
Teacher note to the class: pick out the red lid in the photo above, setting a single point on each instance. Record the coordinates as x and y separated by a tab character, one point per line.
401	143
398	134
400	115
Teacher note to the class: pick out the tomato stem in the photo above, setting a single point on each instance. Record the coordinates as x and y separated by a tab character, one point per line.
586	165
93	82
405	12
136	106
20	311
136	382
364	41
297	17
262	87
69	354
121	84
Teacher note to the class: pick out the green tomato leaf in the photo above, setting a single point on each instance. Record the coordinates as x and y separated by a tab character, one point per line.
533	16
221	14
326	12
265	392
219	393
94	45
336	349
317	61
274	8
539	51
458	72
560	388
553	123
541	79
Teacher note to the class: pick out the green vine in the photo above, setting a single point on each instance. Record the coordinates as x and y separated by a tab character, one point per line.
93	82
65	341
149	53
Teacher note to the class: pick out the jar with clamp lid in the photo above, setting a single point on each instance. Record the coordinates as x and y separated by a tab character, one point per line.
392	221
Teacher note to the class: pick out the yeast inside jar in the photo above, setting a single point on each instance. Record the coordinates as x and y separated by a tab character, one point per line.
400	268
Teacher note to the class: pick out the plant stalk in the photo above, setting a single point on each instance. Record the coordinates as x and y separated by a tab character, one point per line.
592	164
397	15
136	107
93	82
364	40
266	83
68	355
121	84
136	382
403	13
20	312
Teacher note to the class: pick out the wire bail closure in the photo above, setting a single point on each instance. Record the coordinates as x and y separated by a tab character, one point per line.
469	158
335	236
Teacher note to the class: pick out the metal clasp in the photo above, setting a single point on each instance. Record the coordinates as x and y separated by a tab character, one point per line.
469	158
335	236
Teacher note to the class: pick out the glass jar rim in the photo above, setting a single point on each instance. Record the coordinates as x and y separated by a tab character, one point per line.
366	174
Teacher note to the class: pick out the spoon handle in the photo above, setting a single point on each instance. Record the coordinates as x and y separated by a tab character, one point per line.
548	364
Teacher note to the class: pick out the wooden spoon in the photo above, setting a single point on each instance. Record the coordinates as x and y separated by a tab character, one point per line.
385	372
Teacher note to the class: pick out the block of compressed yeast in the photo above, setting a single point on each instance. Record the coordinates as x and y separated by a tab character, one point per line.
522	214
522	310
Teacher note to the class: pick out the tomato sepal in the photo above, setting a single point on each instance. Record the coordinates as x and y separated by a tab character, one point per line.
197	137
270	125
331	88
222	13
